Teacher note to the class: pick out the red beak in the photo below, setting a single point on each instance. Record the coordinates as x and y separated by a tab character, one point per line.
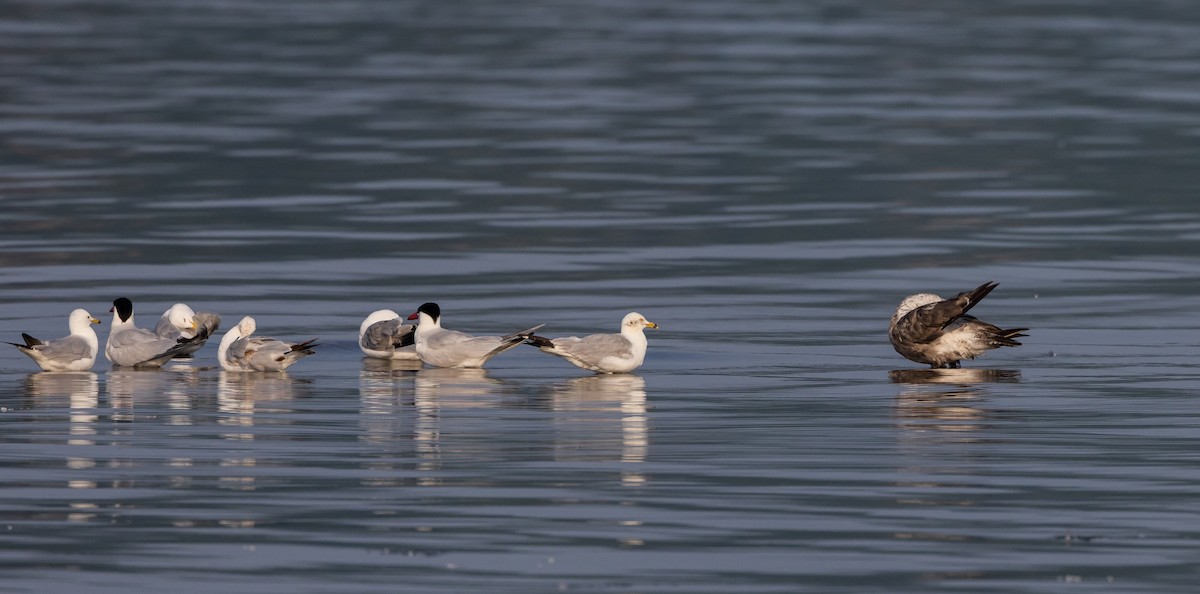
112	309
415	315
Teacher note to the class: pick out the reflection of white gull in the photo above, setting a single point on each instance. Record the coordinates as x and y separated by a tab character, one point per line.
181	322
130	346
586	408
74	352
239	351
383	335
929	329
602	353
448	348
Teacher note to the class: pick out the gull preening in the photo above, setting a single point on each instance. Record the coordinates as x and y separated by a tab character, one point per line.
439	347
73	352
130	346
179	321
602	353
240	351
384	335
936	331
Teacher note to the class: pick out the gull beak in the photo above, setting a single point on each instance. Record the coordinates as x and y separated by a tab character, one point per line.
94	320
193	325
650	324
415	315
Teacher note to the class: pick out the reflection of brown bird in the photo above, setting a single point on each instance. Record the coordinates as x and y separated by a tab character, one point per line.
954	376
929	329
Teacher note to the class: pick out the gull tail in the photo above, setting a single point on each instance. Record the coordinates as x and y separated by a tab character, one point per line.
1008	337
516	337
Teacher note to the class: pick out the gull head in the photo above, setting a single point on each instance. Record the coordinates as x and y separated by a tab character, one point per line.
247	326
912	302
429	309
636	321
80	320
123	308
181	316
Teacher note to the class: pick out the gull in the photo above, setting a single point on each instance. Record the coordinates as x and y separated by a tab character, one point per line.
448	348
181	322
602	353
130	346
929	329
73	352
384	335
239	351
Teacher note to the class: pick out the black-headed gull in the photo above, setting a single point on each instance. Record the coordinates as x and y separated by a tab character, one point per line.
240	351
439	347
130	346
929	329
73	352
179	321
384	335
602	353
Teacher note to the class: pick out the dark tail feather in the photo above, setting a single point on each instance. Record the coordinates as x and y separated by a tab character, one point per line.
522	335
539	342
1006	337
307	346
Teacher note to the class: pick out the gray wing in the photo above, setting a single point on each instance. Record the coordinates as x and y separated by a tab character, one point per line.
67	349
596	347
207	323
165	329
138	345
267	354
388	335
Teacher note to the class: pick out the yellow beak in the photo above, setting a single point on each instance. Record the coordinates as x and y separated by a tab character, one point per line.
94	320
650	324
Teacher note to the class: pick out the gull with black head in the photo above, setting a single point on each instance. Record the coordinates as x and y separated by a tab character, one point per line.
439	347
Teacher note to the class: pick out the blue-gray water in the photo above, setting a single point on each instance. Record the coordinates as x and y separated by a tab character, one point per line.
766	180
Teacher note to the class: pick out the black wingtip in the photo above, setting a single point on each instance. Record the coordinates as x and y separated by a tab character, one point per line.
539	341
29	340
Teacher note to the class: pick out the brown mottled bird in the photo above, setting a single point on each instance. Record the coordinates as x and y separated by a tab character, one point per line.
929	329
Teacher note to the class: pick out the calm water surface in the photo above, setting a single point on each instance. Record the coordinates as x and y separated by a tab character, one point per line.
765	180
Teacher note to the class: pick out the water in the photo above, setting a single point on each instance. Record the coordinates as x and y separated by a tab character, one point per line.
764	180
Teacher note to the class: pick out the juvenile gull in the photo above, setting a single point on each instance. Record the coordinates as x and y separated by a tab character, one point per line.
602	353
384	335
929	329
73	352
439	347
240	351
130	346
181	322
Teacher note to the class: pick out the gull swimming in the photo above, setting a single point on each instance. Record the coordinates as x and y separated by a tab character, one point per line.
439	347
602	353
239	351
384	335
73	352
181	322
929	329
130	346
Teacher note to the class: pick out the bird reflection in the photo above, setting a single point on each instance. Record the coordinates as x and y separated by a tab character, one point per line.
81	391
385	386
125	386
435	390
603	417
945	399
